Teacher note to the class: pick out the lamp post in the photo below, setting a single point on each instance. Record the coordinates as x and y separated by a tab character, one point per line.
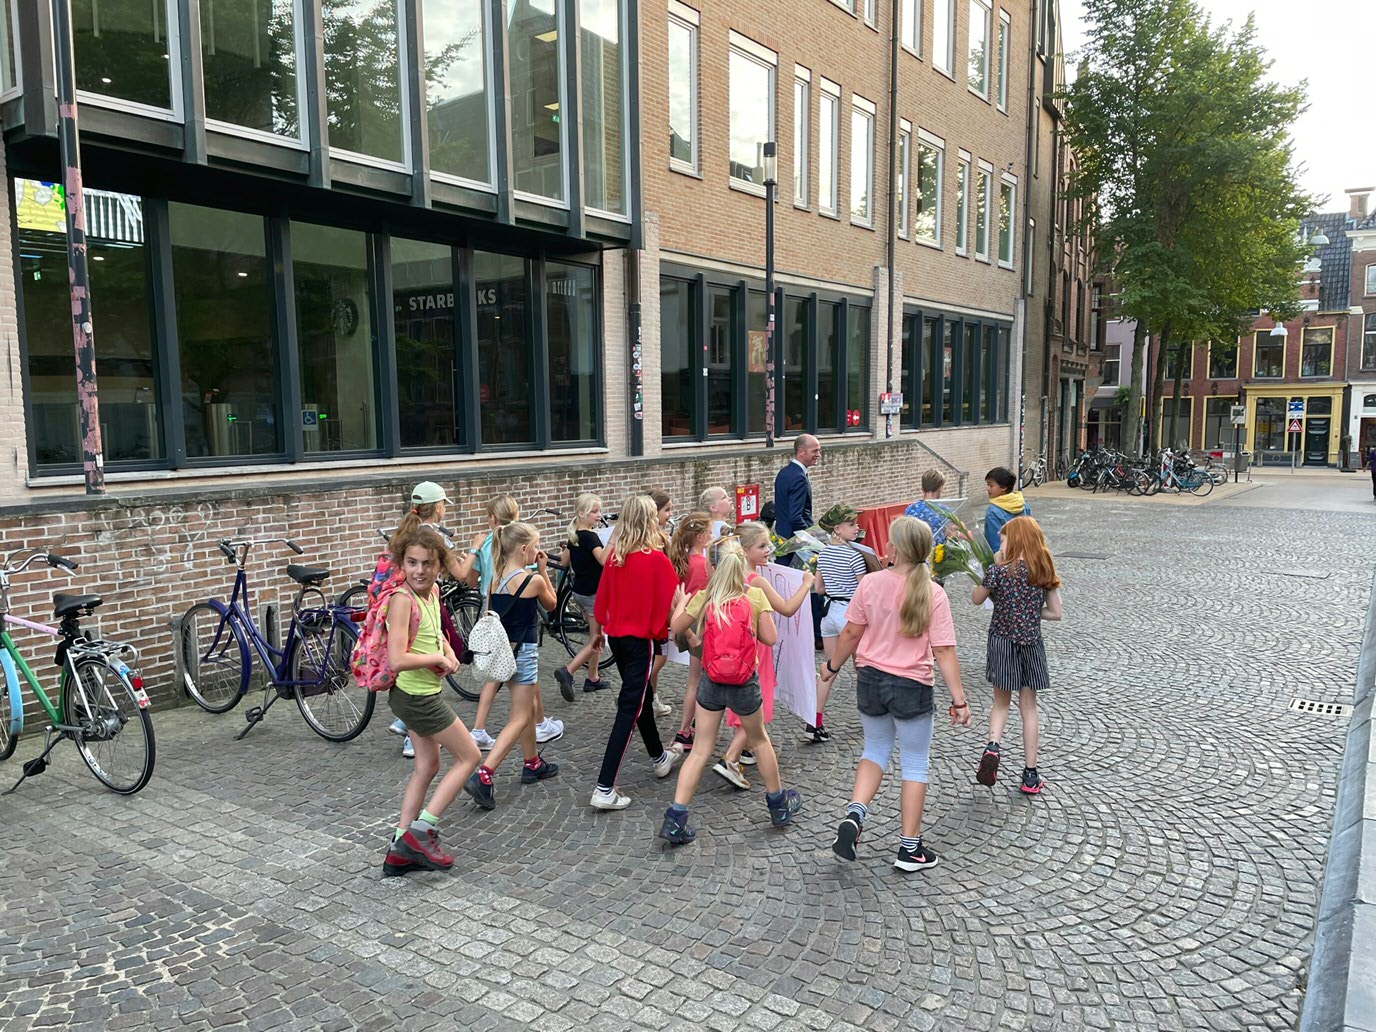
771	182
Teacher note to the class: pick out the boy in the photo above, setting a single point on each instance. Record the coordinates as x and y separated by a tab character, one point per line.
1004	503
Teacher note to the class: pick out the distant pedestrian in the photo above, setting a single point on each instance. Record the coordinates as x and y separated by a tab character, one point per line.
1371	465
1004	503
1025	589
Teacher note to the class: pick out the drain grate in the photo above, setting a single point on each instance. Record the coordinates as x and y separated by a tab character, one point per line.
1082	555
1321	709
1302	574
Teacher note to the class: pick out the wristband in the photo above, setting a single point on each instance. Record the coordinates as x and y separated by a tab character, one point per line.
955	710
831	669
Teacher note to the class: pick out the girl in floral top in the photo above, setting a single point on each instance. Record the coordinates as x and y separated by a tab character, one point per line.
1025	589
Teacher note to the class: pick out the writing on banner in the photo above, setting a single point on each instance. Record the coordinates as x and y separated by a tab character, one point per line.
794	654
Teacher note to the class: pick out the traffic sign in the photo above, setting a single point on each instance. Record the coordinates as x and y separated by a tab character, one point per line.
1294	426
1239	415
1294	408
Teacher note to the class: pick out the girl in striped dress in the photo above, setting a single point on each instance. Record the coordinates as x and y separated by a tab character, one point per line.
1025	589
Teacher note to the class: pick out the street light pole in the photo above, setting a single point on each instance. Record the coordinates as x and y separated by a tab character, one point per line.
771	182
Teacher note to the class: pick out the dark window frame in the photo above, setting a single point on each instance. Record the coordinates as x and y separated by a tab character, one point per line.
922	367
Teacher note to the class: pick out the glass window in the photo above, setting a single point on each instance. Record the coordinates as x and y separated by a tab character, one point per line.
1369	342
969	375
907	383
423	313
604	106
536	73
989	372
1268	427
828	362
752	115
901	188
1180	361
910	20
571	321
979	48
982	187
756	355
677	336
1269	354
1371	279
828	151
794	329
962	207
857	366
506	356
1112	359
1222	360
943	16
870	7
335	338
248	50
1005	34
1004	336
802	113
931	161
1318	406
457	98
949	339
931	363
861	165
1007	206
1316	354
1176	428
124	48
230	388
1218	423
363	78
130	422
9	77
721	343
683	94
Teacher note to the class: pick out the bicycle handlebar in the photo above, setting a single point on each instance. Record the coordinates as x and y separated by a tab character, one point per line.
229	548
32	555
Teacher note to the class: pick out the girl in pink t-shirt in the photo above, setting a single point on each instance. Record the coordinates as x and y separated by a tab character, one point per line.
898	627
688	553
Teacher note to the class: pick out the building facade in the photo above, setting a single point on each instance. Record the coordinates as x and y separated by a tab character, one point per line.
1361	409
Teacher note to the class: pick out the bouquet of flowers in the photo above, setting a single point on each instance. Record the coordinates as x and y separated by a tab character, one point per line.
964	552
806	544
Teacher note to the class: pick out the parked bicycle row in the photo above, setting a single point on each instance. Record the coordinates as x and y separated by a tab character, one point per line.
1102	470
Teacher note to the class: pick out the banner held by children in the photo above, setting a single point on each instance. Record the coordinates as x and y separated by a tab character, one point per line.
795	652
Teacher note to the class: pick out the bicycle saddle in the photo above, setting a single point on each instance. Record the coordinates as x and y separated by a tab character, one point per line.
65	605
308	575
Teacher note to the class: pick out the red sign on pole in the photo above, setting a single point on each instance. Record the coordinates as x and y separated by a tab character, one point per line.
747	503
1294	426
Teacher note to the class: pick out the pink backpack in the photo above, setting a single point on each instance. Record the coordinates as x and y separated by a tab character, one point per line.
368	663
728	649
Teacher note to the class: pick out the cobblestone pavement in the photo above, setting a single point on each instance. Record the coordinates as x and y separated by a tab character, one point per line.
1166	879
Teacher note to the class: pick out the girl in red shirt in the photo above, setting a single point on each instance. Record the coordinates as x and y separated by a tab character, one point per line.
688	553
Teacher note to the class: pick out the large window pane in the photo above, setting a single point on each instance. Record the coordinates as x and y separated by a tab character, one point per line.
857	365
802	115
130	422
1268	429
1223	359
828	150
363	77
1005	29
962	207
604	106
900	193
794	329
931	371
1269	355
677	337
8	74
989	373
571	318
943	15
930	169
757	354
537	110
506	356
683	94
1316	352
969	377
828	364
752	115
979	48
248	48
231	390
124	49
721	342
456	95
861	166
423	316
1007	205
335	345
949	340
908	376
982	214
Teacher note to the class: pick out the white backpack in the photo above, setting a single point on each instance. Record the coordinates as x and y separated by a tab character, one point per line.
493	659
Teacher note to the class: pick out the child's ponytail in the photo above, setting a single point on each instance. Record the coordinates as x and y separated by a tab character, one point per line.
912	543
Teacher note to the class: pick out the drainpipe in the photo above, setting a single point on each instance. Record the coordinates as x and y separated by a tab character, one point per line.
891	243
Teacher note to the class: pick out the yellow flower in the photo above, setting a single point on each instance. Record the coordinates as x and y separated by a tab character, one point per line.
939	554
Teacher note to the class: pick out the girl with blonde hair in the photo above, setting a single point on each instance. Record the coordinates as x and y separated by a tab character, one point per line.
586	556
687	551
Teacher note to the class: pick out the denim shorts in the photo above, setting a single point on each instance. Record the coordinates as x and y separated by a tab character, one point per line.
879	693
835	620
740	699
527	663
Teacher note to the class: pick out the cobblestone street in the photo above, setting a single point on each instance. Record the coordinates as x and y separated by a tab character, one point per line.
1166	879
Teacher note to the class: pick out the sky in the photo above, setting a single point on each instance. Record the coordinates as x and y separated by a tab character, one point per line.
1327	42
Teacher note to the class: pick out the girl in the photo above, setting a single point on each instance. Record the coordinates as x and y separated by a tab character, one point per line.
501	511
730	616
633	602
839	569
586	556
1025	589
514	597
897	625
687	551
664	510
420	659
754	539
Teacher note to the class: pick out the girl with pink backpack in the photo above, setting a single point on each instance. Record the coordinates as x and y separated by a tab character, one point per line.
732	620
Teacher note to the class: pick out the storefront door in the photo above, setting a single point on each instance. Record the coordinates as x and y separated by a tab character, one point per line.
1316	440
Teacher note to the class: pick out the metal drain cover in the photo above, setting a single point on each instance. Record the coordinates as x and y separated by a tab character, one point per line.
1321	709
1303	574
1082	555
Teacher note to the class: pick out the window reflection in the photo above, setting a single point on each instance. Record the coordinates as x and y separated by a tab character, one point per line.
794	329
828	362
752	116
456	90
248	49
931	371
536	75
969	377
857	365
721	338
604	109
363	77
678	332
571	318
506	362
757	355
423	312
123	49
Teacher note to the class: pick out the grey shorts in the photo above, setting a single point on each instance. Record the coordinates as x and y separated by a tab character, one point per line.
585	601
740	699
425	715
879	693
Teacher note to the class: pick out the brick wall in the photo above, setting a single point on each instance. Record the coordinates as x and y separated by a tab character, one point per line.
152	554
14	459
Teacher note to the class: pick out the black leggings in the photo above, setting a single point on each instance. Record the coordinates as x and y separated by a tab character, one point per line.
634	705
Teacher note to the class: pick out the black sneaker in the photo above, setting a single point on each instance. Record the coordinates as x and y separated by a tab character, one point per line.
988	769
816	735
595	686
915	859
1031	781
781	813
484	795
565	680
847	835
530	775
675	830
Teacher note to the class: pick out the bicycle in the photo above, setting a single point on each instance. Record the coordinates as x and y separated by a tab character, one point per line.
312	666
102	706
1033	473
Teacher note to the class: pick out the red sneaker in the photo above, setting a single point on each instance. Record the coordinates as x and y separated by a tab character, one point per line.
424	850
397	862
988	765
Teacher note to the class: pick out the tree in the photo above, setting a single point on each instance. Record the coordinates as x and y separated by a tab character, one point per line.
1185	158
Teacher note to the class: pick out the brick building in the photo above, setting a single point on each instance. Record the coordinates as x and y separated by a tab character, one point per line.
352	246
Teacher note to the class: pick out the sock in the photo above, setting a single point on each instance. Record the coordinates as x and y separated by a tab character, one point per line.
604	790
677	812
859	811
818	724
484	775
659	758
533	764
774	798
429	818
396	836
912	845
479	731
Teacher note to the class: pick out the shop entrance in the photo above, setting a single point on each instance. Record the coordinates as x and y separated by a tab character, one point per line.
1316	440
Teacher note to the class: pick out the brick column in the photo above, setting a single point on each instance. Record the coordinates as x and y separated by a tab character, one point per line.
14	459
650	335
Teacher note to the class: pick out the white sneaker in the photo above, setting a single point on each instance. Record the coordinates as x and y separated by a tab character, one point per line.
747	758
612	800
664	766
482	739
662	708
548	730
408	751
397	727
732	772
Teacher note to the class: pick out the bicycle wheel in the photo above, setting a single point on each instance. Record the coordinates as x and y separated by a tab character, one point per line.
330	700
9	737
354	598
1200	485
213	657
1038	475
115	736
572	624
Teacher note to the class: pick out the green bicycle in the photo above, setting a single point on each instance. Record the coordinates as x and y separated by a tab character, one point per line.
101	705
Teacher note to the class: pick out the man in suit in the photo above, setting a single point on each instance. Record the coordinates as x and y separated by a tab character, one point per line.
793	490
